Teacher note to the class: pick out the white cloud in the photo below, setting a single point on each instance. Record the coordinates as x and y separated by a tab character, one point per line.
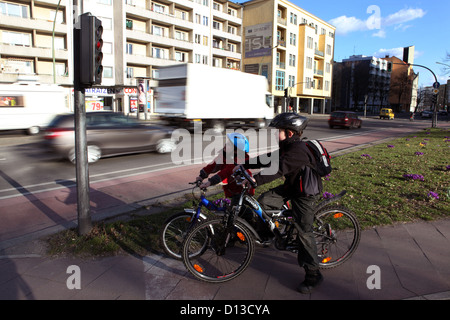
380	34
403	16
345	25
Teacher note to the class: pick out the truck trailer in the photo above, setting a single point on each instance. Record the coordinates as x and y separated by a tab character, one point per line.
218	98
30	107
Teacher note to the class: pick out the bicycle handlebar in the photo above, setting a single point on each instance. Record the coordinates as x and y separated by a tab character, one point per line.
241	172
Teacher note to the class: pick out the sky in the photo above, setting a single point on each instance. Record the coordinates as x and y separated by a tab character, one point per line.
383	27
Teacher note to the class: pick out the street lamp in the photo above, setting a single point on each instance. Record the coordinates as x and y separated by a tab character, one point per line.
288	93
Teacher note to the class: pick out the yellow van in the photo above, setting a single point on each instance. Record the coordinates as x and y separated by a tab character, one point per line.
386	113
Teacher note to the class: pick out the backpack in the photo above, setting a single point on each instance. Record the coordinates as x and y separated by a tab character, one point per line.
323	159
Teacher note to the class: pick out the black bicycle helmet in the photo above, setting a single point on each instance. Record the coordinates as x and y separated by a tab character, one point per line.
289	120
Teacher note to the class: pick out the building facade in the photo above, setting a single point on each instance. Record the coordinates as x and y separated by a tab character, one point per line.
361	83
293	49
139	37
404	82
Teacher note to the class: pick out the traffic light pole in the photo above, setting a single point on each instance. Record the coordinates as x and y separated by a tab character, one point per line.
434	118
82	169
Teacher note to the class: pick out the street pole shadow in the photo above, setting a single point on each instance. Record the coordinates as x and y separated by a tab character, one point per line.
41	206
16	286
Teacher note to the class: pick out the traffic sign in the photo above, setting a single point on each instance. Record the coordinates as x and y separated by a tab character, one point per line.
436	85
436	91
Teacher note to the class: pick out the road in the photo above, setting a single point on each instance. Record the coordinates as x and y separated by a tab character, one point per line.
38	193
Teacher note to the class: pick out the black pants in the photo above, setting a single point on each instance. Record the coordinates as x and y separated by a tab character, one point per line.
303	210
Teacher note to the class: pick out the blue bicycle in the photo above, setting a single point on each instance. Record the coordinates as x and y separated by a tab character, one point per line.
179	224
220	248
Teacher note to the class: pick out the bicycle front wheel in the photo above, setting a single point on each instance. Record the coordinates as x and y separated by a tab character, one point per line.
337	232
228	253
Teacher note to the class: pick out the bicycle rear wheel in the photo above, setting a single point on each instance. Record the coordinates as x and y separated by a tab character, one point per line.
173	232
227	254
337	233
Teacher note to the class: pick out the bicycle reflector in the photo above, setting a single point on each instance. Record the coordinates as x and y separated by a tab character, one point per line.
325	260
241	236
337	215
198	268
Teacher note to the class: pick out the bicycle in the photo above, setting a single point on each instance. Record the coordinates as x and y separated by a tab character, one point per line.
228	242
177	225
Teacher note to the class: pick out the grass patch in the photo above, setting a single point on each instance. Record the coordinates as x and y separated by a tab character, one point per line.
404	180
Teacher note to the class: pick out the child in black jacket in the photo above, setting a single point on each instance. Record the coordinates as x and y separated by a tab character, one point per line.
302	186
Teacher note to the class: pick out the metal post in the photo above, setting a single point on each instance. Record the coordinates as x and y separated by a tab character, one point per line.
82	169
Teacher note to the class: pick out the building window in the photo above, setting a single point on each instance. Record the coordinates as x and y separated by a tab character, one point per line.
180	56
292	60
16	38
158	31
158	53
293	18
130	72
291	81
107	72
308	83
14	10
293	39
310	43
198	58
159	8
217	25
129	48
279	80
205	21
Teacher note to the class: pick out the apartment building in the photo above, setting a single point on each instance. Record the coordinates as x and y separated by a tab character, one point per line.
139	37
404	82
361	82
294	50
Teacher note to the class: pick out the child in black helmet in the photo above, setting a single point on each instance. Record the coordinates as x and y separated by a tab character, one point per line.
302	186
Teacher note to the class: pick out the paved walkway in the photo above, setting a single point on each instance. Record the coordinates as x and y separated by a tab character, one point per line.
405	261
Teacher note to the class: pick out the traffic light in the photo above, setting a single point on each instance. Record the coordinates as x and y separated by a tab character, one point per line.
91	45
389	66
434	98
286	93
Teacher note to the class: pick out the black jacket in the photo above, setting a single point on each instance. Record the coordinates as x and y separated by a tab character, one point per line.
295	164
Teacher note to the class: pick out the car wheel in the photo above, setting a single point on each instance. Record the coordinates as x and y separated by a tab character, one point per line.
33	130
165	146
217	126
94	153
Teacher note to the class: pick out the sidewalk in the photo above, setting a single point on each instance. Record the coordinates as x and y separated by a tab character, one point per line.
412	261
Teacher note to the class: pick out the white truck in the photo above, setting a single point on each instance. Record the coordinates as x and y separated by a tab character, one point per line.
30	106
219	98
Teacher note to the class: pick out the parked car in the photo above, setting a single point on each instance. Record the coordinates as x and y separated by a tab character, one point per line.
345	119
426	114
108	134
386	113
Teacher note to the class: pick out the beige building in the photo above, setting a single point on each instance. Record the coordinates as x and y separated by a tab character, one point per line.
139	37
293	49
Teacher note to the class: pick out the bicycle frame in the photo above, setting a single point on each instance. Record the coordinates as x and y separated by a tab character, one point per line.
203	202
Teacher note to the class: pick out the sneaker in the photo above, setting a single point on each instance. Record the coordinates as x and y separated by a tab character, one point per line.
312	280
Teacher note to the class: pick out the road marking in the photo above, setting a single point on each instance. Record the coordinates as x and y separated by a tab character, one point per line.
24	190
